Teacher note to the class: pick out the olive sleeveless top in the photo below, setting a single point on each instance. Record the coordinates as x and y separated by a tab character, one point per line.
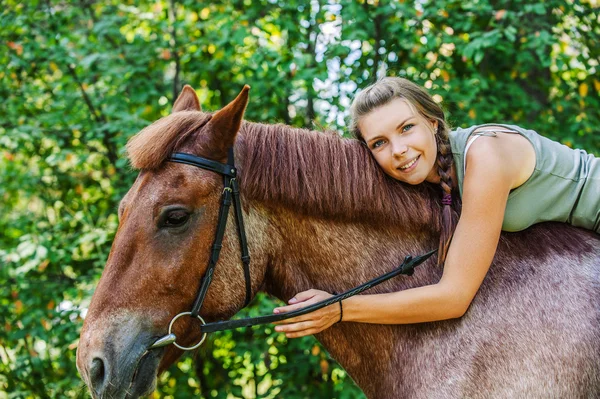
564	186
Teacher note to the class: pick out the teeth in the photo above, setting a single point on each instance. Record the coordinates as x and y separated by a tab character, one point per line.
411	163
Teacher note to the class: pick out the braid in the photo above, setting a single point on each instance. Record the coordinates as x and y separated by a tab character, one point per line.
449	217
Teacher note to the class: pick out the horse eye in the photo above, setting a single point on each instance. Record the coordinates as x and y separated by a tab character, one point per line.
176	218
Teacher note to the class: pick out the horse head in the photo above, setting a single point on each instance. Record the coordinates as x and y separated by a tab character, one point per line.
167	223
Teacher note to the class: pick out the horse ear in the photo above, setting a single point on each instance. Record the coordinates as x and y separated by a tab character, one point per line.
219	136
228	120
187	100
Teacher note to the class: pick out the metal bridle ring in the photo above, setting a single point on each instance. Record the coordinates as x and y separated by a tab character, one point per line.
189	348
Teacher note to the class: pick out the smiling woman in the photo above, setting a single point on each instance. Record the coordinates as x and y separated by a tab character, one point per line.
510	179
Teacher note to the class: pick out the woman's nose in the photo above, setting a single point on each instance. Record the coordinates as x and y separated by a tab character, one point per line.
399	149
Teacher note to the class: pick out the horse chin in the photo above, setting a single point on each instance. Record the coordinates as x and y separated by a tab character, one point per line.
144	379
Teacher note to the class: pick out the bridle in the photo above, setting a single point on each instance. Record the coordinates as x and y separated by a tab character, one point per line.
231	193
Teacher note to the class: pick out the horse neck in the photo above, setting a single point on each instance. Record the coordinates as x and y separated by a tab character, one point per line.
335	256
313	242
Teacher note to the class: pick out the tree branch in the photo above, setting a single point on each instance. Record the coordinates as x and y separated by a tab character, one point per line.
377	58
311	50
98	117
174	48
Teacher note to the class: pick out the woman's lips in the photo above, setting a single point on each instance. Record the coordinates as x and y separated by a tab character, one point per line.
409	166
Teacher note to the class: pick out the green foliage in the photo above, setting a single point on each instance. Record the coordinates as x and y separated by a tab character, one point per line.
79	78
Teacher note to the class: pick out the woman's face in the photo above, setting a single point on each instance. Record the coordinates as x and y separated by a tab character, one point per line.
402	142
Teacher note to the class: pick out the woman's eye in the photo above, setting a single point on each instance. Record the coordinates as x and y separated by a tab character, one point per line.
377	144
406	128
176	218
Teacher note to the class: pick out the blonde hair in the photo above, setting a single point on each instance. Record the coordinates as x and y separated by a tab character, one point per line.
384	91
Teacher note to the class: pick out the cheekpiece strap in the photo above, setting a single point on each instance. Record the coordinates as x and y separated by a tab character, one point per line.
237	207
216	248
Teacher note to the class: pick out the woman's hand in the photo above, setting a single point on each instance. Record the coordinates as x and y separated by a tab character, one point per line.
310	323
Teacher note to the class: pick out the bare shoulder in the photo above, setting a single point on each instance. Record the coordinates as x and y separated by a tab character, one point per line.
509	154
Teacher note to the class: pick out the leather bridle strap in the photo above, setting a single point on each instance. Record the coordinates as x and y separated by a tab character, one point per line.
241	229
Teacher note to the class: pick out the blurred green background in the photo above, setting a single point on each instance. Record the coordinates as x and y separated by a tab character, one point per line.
79	78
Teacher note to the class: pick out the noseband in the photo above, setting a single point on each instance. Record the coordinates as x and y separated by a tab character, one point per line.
231	192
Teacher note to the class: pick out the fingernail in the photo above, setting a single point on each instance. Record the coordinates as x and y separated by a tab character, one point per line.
275	310
292	300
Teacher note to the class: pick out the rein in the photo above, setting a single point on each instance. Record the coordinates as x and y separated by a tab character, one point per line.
231	193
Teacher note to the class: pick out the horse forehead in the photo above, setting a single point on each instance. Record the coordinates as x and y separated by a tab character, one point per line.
172	178
165	180
173	182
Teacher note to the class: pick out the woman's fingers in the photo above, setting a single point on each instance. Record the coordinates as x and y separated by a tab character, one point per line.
311	323
303	299
289	308
302	328
303	325
296	319
303	296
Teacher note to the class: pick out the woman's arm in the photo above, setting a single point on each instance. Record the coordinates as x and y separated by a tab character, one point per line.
485	192
491	172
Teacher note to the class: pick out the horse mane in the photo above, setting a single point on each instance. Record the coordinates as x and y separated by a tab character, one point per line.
311	172
155	143
322	174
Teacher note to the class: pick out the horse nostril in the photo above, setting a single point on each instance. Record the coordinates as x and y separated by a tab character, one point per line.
97	375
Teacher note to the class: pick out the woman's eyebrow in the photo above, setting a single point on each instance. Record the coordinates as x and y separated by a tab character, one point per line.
403	122
397	127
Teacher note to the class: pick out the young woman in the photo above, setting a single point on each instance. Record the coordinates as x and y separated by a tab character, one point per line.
508	178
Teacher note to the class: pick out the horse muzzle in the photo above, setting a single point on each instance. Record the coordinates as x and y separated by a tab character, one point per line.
116	362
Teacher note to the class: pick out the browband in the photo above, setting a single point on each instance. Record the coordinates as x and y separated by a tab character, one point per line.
203	163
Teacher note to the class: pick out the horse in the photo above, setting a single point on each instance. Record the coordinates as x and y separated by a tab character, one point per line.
320	213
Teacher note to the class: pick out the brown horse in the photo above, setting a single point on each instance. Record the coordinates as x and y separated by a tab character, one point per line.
321	214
